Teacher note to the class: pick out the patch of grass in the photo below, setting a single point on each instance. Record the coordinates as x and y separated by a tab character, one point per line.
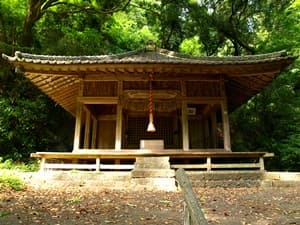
11	181
75	199
4	213
74	171
9	164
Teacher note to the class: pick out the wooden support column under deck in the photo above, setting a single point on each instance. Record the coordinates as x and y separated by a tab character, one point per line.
225	118
184	118
87	132
118	140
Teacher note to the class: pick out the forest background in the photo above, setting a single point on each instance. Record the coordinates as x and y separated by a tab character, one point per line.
270	121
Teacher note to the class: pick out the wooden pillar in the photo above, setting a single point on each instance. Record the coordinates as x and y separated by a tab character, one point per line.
87	130
78	122
261	163
118	141
76	144
213	119
97	164
206	133
225	118
94	133
208	163
184	119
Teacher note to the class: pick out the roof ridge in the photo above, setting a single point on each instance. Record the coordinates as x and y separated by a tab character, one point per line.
143	55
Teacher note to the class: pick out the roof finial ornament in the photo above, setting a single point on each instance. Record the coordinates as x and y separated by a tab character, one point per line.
150	46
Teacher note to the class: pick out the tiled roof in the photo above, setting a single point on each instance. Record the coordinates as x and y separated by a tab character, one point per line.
60	76
142	56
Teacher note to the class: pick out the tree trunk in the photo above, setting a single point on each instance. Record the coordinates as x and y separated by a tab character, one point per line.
34	13
3	35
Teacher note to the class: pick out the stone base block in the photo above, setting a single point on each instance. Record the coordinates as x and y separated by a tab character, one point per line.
163	184
151	167
151	173
152	163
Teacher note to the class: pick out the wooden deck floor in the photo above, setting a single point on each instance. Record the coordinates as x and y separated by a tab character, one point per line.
192	159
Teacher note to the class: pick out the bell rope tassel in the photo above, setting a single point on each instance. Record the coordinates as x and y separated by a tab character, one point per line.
151	127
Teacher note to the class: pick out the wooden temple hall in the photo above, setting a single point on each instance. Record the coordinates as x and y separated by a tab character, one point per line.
171	104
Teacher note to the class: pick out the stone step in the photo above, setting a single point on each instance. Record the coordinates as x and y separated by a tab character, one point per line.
124	180
226	175
226	178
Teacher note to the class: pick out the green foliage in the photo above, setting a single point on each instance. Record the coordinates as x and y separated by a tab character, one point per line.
75	199
29	166
25	118
12	181
191	46
270	122
126	34
4	213
286	35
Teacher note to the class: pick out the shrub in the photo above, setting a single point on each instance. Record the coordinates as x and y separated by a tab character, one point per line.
9	164
11	181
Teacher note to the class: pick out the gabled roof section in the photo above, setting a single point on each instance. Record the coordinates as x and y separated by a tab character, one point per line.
59	76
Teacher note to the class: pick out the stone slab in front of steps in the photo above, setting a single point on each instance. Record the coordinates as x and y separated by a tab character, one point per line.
226	178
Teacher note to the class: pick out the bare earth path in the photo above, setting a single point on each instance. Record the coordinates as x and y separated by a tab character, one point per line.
85	204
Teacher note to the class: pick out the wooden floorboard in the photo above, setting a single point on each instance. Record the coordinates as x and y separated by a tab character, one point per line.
132	154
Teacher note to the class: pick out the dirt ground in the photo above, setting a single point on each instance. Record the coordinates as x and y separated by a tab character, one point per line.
85	204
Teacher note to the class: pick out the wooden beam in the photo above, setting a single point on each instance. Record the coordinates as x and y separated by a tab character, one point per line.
202	100
133	153
59	86
167	76
98	100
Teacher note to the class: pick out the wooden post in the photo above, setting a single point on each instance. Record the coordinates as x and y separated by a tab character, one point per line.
194	210
261	164
206	133
213	119
225	118
118	141
42	165
208	163
97	164
226	129
186	215
76	144
87	131
94	132
78	122
184	119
